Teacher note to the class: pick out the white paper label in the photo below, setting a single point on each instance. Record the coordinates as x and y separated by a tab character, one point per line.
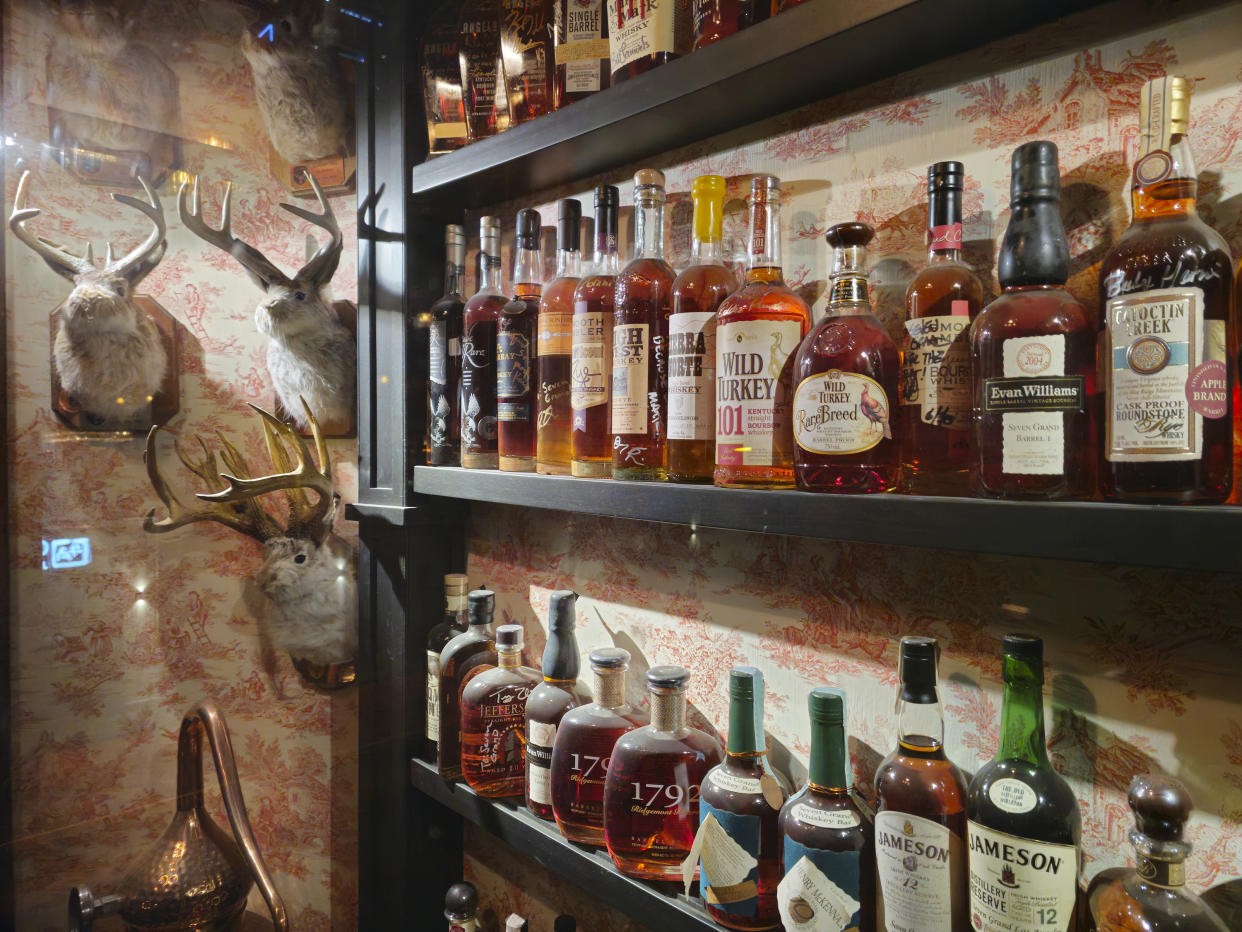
935	368
809	902
913	863
631	357
726	862
1033	442
639	30
582	48
825	818
433	695
540	739
1019	885
840	412
1010	795
692	376
752	404
591	359
732	783
438	364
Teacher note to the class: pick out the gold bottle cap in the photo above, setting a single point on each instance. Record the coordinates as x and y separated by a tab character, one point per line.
456	583
648	178
1164	111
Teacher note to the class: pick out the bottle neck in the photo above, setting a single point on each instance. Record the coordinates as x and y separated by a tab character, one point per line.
1176	189
527	272
455	608
610	689
509	658
830	767
568	263
1022	721
607	259
1034	250
849	295
707	231
920	725
454	273
649	225
764	251
944	225
745	727
560	657
668	710
706	252
490	279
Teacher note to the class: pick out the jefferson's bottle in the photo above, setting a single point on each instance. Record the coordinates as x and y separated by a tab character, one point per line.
1023	823
553	417
516	329
1166	287
550	700
493	720
463	657
444	370
478	354
455	622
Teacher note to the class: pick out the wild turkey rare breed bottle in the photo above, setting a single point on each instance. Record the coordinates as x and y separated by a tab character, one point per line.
1167	290
553	416
444	363
745	800
478	354
697	293
465	656
1033	353
941	303
758	329
845	416
651	793
550	700
920	820
828	852
515	350
584	743
642	301
1023	825
493	720
456	621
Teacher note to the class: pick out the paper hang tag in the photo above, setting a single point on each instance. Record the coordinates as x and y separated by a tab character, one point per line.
809	902
724	860
771	791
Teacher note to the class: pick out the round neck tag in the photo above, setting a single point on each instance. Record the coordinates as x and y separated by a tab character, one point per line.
1012	795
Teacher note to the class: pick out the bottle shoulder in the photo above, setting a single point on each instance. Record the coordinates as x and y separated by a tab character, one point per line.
647	739
558	293
592	716
464	643
448	307
696	280
1025	800
511	684
934	772
1046	310
763	300
935	286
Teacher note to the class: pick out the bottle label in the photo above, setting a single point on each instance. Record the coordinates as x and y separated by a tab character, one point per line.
433	695
1017	884
640	30
438	333
945	237
826	818
733	783
820	892
463	925
840	412
512	376
752	400
692	375
915	861
631	357
1010	795
501	731
583	47
1161	873
592	355
556	333
935	368
540	737
1154	342
478	380
1032	396
728	852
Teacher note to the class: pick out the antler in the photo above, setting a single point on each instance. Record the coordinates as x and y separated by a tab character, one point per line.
260	268
61	260
320	268
136	265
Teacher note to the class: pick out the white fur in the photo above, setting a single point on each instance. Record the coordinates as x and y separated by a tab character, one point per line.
310	353
313	605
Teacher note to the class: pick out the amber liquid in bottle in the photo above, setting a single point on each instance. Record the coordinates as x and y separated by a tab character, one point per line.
482	69
553	415
526	47
516	331
591	371
478	355
642	36
580	37
463	657
456	621
493	720
442	101
550	700
444	363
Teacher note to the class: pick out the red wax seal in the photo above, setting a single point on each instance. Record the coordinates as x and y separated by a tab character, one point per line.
1207	389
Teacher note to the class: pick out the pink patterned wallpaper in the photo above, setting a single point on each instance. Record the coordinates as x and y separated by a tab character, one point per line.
108	657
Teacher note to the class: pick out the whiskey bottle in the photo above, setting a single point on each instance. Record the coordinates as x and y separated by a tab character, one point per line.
553	415
651	792
941	302
1033	352
716	19
446	114
1153	896
461	907
844	420
642	302
482	69
758	329
580	40
493	720
828	852
444	369
550	700
463	657
745	801
515	350
1023	824
526	47
697	293
1167	287
920	821
455	622
642	36
584	743
591	373
478	354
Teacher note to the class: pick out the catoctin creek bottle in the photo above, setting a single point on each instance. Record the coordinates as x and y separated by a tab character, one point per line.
478	354
515	350
1023	823
553	417
444	369
1167	287
550	700
456	621
493	720
463	657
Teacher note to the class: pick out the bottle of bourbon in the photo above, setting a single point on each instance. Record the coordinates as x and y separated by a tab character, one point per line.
493	720
478	354
516	330
455	622
463	657
550	700
444	371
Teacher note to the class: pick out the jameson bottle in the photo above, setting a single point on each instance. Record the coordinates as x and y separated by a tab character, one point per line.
462	658
828	848
745	801
1023	823
550	700
455	622
1167	288
941	303
516	329
444	370
553	416
697	293
478	354
920	820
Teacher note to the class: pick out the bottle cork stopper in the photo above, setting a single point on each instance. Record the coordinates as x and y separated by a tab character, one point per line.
648	178
844	235
1161	806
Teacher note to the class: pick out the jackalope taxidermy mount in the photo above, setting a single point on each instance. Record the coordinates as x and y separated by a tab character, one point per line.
107	351
307	572
310	353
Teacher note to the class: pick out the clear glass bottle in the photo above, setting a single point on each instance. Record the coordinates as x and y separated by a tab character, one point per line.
516	330
758	329
478	354
442	100
444	364
526	47
493	720
845	416
920	820
464	657
583	749
580	40
553	415
697	293
826	826
456	621
550	700
482	69
746	801
651	793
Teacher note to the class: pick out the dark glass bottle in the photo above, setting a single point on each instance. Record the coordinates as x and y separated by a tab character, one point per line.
550	700
478	354
745	800
455	622
444	369
493	720
826	827
442	101
941	303
516	330
526	47
844	411
461	907
580	40
715	19
1023	825
1165	328
553	415
482	69
1033	366
645	35
920	819
462	658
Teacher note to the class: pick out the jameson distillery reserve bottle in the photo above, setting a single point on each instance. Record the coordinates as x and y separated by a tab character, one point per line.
444	370
478	354
553	416
456	620
515	350
462	658
493	720
550	700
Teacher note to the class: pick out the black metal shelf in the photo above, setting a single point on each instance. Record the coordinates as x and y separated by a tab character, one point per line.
588	868
1177	537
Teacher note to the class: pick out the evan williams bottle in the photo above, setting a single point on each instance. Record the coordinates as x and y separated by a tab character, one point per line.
941	302
515	350
1033	352
844	419
550	700
478	354
493	720
444	368
1167	284
641	307
553	416
591	370
758	329
1024	824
